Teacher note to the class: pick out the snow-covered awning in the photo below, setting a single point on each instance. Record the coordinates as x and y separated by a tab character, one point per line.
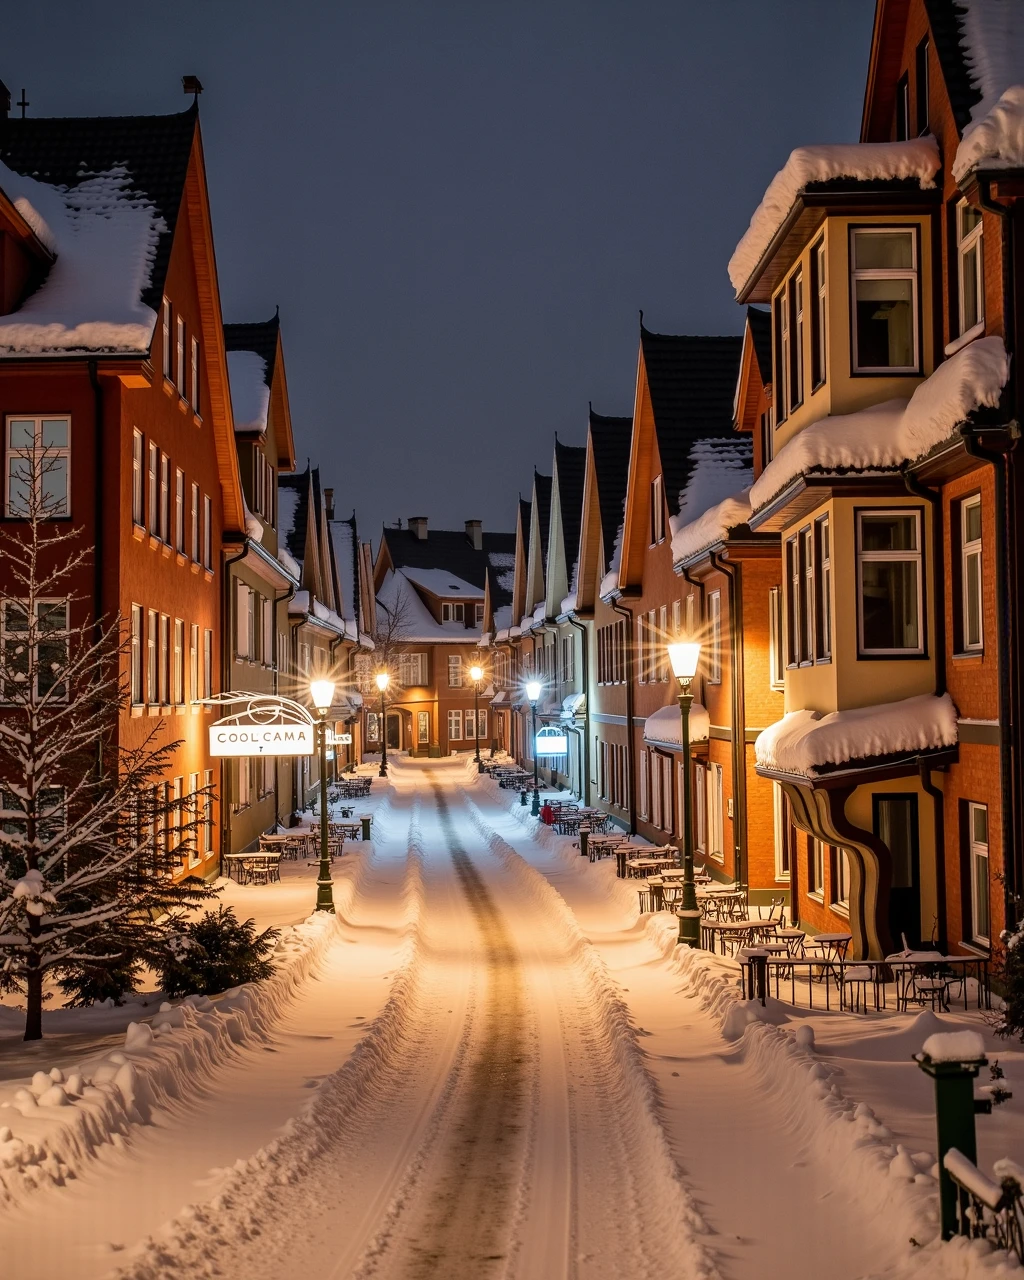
712	527
665	727
808	744
862	162
574	706
884	436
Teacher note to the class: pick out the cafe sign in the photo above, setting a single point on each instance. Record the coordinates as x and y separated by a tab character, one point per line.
265	725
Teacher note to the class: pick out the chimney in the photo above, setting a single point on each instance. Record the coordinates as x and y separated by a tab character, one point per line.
329	500
475	533
418	525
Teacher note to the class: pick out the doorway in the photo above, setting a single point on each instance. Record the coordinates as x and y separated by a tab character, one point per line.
895	822
394	731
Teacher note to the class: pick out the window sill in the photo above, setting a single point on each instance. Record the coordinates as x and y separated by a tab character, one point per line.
975	654
182	403
169	388
153	709
179	708
197	420
782	877
137	710
841	909
817	897
195	567
154	541
138	532
717	857
208	574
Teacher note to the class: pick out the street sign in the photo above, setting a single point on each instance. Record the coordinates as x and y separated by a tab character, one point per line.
269	725
551	742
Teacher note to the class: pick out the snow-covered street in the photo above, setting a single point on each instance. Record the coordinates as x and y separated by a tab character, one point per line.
495	1069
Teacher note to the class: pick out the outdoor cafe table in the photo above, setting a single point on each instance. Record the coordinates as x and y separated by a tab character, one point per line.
245	864
833	946
649	862
347	830
740	932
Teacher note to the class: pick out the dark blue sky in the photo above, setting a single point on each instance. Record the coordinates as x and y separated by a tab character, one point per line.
461	207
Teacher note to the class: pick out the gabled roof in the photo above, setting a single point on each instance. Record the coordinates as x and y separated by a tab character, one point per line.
449	550
149	155
542	490
570	464
259	387
610	439
760	324
691	381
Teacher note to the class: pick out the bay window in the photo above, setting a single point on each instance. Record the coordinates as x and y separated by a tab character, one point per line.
889	583
970	275
883	289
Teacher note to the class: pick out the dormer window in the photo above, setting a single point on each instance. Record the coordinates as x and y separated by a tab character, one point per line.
478	615
883	288
453	611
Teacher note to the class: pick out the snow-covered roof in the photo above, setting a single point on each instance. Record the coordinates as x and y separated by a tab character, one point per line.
992	40
253	526
289	562
504	565
997	140
666	725
712	527
419	624
611	579
343	535
884	436
720	469
442	583
568	604
865	161
288	501
804	743
250	394
104	234
300	603
502	622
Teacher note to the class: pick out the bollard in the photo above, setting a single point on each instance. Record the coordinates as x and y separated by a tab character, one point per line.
757	976
366	827
955	1108
584	841
522	798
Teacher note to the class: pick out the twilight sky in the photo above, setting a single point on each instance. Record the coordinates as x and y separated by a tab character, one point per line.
461	205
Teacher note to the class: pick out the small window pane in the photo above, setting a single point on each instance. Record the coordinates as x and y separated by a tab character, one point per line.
970	269
888	533
973	590
55	486
55	433
979	822
884	250
20	486
23	433
969	219
972	522
885	324
890	595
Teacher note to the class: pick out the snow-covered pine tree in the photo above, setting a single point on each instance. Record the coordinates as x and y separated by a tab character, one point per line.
90	841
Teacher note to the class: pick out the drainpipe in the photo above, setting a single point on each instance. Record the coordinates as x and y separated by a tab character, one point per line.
225	649
97	397
627	613
585	672
739	718
1006	581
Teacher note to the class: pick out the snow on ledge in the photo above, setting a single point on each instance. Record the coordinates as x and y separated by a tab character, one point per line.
883	436
918	158
712	527
666	725
954	1046
997	140
804	742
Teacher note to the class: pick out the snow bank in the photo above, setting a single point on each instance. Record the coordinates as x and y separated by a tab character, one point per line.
803	742
250	394
866	161
884	436
105	238
666	725
712	527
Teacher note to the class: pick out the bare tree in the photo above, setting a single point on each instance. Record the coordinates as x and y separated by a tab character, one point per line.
90	841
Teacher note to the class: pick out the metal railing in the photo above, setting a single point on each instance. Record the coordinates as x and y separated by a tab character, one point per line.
986	1209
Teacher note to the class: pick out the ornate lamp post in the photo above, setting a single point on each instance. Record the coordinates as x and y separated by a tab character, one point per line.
383	680
322	693
684	658
476	674
533	693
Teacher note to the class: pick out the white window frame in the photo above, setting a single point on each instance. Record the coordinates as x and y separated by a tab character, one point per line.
971	550
782	875
39	457
968	244
776	640
979	853
643	808
910	273
839	872
656	792
868	557
165	498
469	725
481	723
138	480
700	804
817	890
165	334
208	811
152	657
179	510
153	474
136	673
178	668
194	396
657	510
207	663
716	811
195	523
422	728
453	611
164	660
822	583
180	355
207	534
454	671
193	661
795	292
454	726
715	635
821	303
58	693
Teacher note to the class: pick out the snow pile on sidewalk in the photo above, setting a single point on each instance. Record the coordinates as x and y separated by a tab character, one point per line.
863	162
105	238
884	436
805	742
50	1128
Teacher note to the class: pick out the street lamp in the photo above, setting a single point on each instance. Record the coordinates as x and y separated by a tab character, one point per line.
533	693
383	680
322	693
684	657
476	674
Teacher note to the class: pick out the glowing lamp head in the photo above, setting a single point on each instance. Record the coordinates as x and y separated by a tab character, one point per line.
683	658
383	680
476	673
533	690
322	693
